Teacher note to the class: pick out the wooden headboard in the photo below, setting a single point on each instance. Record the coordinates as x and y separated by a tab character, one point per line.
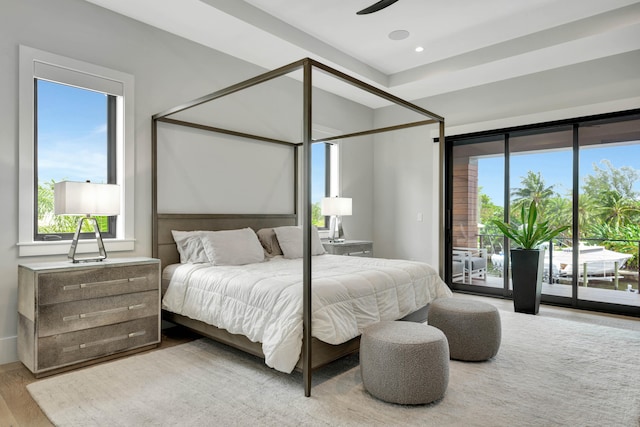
165	249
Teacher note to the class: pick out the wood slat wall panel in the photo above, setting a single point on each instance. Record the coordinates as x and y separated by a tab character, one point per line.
465	204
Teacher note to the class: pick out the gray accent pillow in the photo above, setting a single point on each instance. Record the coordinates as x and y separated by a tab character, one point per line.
269	242
290	240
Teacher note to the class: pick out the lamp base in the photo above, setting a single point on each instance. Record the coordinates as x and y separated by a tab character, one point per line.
102	253
77	260
336	234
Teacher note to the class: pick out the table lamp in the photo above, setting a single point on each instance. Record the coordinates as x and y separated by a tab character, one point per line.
86	199
336	207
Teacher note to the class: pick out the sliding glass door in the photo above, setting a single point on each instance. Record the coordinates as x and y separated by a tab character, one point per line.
541	170
477	198
584	173
609	213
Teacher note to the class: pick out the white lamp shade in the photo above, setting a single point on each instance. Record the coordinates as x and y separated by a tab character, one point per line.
86	198
336	206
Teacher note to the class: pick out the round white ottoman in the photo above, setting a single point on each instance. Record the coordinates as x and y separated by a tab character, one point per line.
404	362
472	328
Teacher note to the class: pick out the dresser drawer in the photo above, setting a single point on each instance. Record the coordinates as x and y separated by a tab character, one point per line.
58	350
75	315
55	287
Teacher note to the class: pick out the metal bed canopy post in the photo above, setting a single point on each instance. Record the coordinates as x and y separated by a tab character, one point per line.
307	66
442	211
306	227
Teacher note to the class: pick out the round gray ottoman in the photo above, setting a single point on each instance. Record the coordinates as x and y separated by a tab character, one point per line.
404	362
472	328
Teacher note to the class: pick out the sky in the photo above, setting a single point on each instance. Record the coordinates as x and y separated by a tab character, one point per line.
317	172
555	168
72	134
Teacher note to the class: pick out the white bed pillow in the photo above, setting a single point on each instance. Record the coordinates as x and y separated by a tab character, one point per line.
189	246
232	247
290	241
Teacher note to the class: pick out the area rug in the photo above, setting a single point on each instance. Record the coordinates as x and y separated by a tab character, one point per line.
548	372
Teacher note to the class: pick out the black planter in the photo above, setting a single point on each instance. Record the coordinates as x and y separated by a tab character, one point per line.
527	268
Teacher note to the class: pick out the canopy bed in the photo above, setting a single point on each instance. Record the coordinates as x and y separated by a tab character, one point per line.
314	352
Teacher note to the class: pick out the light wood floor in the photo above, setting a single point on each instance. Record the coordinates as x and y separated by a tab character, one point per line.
17	408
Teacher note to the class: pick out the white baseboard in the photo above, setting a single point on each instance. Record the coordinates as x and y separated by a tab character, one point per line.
8	350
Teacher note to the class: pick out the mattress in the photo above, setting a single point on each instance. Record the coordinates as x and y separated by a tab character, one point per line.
263	301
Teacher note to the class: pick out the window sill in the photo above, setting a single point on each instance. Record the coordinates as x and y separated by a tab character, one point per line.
62	247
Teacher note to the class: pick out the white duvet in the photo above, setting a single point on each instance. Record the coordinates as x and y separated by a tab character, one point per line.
263	301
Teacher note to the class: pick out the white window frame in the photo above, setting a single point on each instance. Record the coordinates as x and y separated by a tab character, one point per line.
35	63
334	169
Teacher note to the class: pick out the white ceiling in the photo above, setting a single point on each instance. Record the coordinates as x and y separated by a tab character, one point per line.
467	43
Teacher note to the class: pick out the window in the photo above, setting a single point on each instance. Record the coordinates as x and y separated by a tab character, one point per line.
76	124
75	140
324	179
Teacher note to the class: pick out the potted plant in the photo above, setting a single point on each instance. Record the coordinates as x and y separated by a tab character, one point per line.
527	258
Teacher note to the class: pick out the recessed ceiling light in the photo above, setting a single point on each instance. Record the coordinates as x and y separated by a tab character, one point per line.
398	34
419	49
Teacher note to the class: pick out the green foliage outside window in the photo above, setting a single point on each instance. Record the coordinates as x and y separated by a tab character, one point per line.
608	208
317	218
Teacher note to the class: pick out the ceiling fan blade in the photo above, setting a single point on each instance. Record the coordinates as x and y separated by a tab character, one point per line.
376	7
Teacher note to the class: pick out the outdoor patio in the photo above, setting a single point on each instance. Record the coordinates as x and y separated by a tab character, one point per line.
600	291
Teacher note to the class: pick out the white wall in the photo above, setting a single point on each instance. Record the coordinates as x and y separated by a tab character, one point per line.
168	71
406	197
205	172
356	163
357	182
605	85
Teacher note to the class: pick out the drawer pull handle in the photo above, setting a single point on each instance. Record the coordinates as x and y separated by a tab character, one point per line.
104	341
103	312
103	283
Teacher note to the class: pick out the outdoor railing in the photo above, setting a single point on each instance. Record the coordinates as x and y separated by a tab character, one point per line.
492	242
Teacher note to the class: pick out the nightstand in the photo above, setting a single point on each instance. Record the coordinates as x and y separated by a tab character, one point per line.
349	247
71	315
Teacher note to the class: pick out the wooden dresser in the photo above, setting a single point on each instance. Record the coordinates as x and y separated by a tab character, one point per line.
70	315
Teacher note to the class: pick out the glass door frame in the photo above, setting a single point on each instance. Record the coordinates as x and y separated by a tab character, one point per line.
506	133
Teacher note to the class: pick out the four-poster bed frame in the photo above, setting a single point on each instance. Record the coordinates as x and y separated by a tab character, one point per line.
164	247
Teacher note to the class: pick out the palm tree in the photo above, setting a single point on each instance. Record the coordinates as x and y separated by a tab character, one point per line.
615	209
559	211
532	189
587	206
